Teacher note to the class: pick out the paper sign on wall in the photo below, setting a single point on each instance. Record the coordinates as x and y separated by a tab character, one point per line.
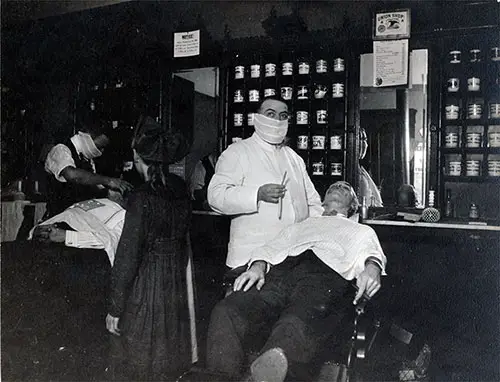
187	44
390	63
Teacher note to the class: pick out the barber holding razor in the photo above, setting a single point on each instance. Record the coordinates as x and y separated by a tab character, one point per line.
263	184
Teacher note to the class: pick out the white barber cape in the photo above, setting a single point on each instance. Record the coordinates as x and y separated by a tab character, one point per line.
98	224
341	243
241	169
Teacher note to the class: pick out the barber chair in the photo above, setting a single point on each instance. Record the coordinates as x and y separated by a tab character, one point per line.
338	362
362	332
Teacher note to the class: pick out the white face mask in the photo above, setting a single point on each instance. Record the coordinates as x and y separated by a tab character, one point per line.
270	130
87	146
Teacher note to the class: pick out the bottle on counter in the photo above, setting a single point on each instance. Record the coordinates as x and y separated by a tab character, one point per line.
364	209
473	211
448	209
19	194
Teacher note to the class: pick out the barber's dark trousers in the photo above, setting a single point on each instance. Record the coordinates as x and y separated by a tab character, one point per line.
302	298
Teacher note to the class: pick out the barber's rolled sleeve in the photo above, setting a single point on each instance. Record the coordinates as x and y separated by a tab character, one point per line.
58	159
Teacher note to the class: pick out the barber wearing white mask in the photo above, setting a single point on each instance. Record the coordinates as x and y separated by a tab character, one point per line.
72	168
251	177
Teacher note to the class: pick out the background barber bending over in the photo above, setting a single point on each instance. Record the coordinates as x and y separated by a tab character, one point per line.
72	168
252	176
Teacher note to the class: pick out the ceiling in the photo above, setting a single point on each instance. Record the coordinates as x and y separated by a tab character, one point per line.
22	10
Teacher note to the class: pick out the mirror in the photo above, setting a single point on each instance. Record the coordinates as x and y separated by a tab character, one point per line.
393	137
194	110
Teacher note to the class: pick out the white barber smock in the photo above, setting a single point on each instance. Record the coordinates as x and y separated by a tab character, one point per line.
241	169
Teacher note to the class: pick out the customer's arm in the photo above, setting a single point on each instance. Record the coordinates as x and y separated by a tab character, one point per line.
372	261
262	258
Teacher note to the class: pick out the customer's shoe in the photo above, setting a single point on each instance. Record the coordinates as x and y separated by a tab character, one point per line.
270	366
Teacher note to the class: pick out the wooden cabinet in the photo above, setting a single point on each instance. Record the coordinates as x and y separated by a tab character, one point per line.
116	102
469	144
315	86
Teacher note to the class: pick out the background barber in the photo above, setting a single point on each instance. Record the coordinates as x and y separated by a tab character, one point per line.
72	170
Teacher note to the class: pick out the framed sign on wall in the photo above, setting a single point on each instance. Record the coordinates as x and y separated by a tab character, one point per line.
392	24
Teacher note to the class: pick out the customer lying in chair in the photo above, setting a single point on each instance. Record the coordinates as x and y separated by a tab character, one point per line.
91	224
304	294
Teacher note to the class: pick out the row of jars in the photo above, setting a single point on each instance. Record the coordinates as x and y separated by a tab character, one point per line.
474	55
474	110
318	164
286	92
301	118
473	167
319	142
473	139
315	142
287	68
473	84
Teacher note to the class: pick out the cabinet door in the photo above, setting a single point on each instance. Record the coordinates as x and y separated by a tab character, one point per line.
470	125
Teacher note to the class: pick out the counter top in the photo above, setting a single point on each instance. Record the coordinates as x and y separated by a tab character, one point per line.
212	213
462	226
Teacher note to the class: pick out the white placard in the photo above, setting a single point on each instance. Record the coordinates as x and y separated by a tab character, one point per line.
187	44
392	25
390	63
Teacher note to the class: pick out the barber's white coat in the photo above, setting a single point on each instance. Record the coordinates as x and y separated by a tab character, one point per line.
241	169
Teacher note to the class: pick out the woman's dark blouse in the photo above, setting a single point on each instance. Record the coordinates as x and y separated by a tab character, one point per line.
155	221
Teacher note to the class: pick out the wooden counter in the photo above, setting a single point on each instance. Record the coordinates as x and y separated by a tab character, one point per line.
444	286
438	225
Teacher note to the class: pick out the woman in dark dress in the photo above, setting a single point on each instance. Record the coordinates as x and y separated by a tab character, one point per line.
148	309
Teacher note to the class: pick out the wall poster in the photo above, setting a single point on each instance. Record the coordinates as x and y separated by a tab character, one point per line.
390	63
392	24
187	44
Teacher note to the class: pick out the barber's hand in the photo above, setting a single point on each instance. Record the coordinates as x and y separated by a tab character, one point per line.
119	185
368	282
112	324
115	196
49	233
271	192
254	274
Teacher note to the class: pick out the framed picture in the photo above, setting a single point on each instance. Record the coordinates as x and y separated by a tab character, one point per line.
392	24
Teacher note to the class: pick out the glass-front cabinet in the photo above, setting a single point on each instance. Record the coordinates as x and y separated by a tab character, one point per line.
469	145
314	84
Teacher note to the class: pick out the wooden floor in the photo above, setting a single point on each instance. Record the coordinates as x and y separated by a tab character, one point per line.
48	337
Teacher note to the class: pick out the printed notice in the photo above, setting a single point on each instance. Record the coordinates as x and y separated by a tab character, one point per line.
390	63
187	44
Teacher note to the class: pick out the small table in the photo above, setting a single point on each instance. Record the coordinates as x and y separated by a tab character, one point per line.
13	216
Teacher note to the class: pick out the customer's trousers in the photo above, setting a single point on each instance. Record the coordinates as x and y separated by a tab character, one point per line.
303	299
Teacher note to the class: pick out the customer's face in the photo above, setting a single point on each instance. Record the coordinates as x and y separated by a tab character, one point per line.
274	109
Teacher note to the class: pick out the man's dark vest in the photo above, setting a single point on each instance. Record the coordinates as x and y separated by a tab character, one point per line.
209	170
64	194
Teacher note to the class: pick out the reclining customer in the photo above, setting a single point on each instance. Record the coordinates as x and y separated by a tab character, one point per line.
90	224
305	293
